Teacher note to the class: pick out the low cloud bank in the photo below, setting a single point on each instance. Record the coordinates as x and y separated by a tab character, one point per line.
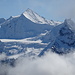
49	64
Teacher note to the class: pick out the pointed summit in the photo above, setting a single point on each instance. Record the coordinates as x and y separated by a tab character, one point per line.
34	17
28	10
70	24
68	21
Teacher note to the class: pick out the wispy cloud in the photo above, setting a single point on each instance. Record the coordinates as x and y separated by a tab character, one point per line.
49	64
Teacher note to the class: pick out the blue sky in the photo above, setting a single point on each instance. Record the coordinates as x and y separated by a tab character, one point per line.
50	9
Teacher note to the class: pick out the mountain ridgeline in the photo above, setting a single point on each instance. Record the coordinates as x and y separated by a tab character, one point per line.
61	39
28	24
55	36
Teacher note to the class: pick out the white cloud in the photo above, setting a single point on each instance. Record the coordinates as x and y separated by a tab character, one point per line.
2	56
49	64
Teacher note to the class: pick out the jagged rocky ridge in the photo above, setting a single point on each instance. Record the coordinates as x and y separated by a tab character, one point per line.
28	24
61	39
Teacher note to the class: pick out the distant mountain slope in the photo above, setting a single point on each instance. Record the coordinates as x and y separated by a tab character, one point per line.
34	17
2	20
62	38
21	27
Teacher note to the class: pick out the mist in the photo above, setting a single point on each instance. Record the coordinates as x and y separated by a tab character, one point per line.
49	64
2	56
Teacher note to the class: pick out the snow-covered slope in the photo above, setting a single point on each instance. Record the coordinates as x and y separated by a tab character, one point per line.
24	47
28	24
62	38
2	20
21	27
34	17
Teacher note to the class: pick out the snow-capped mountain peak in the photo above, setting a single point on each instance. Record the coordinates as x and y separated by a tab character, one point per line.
68	21
70	24
34	17
61	38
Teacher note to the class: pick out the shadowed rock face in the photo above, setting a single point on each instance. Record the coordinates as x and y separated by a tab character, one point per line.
28	24
61	39
21	27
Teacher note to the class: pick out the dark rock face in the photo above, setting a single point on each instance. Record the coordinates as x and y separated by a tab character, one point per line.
21	27
65	31
64	41
63	37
